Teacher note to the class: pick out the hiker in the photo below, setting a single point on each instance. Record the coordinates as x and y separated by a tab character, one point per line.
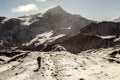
39	63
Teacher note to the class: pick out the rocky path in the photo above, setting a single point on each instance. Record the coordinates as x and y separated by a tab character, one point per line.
62	66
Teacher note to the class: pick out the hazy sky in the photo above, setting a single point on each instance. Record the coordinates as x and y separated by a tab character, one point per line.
91	9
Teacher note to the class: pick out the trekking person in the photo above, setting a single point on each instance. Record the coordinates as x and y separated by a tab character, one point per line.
39	63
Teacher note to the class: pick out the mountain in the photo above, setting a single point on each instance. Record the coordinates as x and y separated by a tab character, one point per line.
117	19
93	36
68	46
102	29
32	32
44	31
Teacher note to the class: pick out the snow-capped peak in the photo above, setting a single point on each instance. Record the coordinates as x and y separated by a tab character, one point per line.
55	10
117	19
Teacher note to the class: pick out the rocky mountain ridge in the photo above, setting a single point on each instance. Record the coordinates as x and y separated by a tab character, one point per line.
93	36
39	29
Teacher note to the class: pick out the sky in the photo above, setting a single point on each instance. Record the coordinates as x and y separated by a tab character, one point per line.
92	9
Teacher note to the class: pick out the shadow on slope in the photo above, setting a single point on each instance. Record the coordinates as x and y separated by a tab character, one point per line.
93	36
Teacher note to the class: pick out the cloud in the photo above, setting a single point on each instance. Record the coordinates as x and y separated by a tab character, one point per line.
25	8
40	0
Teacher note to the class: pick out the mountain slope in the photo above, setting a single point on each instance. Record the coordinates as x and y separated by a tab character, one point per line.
102	29
98	64
32	29
93	36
